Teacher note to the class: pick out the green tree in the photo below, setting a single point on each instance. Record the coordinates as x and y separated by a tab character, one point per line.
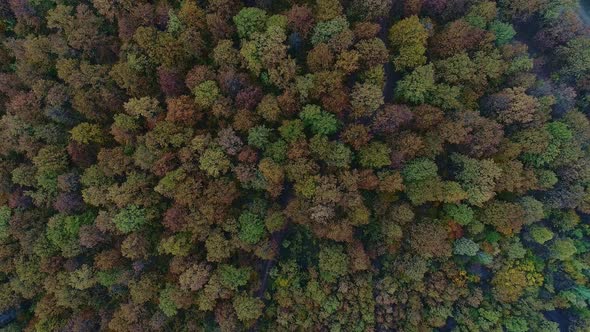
166	301
320	122
333	262
5	214
563	249
461	213
465	246
214	162
575	58
232	277
250	20
251	227
419	169
259	136
87	133
408	37
292	130
324	31
247	308
206	93
504	32
366	98
415	87
130	218
541	234
375	155
477	177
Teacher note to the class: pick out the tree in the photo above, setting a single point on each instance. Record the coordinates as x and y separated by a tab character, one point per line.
300	18
477	177
269	108
333	263
365	99
247	308
429	239
513	105
414	87
541	234
563	249
206	94
130	219
62	232
145	106
326	30
463	214
419	170
375	155
459	36
292	130
86	133
250	20
232	277
218	247
183	110
408	36
320	122
504	32
506	217
259	136
251	227
465	246
5	214
214	162
575	57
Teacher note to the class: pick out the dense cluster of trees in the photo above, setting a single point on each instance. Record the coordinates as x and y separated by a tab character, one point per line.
294	165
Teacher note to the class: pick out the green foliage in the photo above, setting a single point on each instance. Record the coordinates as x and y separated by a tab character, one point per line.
333	153
232	277
375	155
320	122
251	227
419	170
504	32
415	87
62	232
206	93
166	302
131	218
409	37
477	177
247	308
292	130
259	137
533	209
461	213
82	278
575	57
362	165
333	263
214	162
324	31
541	234
563	249
86	133
176	245
366	99
168	184
465	246
250	20
5	214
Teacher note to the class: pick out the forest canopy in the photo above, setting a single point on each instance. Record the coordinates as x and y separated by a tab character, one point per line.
294	165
